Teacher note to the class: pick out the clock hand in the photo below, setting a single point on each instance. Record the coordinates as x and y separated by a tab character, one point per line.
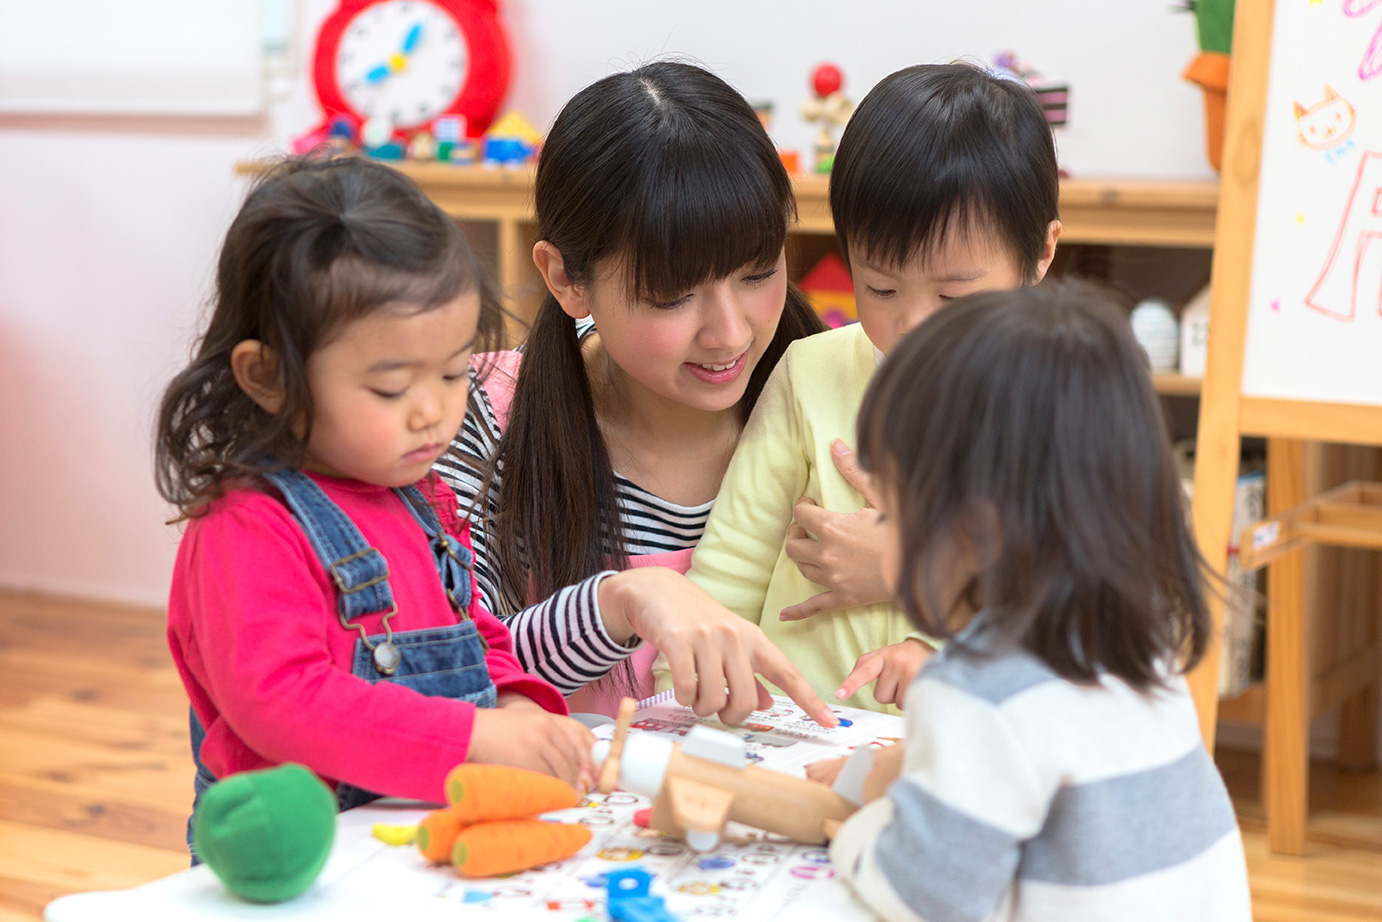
399	60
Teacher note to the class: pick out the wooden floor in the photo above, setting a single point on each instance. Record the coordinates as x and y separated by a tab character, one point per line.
95	777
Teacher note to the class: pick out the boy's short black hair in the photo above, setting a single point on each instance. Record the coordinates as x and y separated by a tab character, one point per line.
936	144
1016	434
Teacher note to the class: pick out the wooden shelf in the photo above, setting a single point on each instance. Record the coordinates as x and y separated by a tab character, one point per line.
1114	212
1174	385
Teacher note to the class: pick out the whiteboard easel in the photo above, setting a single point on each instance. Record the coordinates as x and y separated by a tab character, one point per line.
1284	361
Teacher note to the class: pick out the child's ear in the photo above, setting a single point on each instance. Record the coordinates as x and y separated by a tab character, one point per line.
1048	251
549	262
255	367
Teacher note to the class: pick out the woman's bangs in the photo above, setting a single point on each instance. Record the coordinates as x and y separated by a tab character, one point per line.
704	221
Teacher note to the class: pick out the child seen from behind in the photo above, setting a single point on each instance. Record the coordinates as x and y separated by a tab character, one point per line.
945	183
320	612
1052	766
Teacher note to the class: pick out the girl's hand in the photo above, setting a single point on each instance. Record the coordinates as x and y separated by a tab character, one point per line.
843	556
892	668
887	768
522	734
714	655
826	771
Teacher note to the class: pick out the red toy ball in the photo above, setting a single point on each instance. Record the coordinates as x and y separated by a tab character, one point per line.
826	79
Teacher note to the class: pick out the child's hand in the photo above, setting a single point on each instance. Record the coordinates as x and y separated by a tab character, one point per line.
825	771
713	655
892	669
887	768
843	556
521	733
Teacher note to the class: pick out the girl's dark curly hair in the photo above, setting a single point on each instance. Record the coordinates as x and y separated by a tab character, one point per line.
318	243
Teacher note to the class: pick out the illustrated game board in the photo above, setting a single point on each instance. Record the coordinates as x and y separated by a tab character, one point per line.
751	875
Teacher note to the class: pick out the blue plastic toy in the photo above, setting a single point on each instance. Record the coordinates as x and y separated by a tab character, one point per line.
629	900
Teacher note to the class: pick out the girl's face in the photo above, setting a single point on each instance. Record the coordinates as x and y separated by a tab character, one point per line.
389	392
891	300
697	350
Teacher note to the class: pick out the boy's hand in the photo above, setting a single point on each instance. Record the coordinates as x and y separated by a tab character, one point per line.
520	733
892	669
843	556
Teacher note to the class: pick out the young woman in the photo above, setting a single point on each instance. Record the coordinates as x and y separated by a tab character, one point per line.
591	459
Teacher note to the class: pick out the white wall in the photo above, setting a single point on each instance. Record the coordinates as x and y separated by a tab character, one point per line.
109	227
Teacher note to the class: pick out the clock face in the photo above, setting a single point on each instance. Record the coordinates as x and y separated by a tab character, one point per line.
405	60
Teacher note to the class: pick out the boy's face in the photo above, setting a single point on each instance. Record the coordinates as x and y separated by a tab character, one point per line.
891	300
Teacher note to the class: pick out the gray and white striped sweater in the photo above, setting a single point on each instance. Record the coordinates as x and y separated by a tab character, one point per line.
1027	797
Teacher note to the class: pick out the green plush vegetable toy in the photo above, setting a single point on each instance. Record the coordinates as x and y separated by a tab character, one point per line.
266	833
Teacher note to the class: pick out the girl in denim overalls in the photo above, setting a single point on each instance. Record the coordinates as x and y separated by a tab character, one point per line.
320	612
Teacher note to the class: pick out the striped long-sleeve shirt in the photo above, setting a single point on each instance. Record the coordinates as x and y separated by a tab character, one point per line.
562	638
1027	797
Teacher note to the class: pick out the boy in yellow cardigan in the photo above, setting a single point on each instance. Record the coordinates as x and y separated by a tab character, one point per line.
945	183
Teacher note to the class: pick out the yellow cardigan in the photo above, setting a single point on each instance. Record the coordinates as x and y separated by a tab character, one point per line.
811	399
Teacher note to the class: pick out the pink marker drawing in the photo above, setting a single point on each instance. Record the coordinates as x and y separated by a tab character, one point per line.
1371	65
1335	293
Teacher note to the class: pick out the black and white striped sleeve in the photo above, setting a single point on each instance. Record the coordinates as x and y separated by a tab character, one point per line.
561	639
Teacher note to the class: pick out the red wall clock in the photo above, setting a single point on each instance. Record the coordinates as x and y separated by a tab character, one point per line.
411	61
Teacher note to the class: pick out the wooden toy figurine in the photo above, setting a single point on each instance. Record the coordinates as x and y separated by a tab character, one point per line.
829	107
700	784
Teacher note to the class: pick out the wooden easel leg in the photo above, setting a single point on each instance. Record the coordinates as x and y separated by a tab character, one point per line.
1285	751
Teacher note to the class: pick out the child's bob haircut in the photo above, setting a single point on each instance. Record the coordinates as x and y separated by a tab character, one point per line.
982	147
317	243
1017	437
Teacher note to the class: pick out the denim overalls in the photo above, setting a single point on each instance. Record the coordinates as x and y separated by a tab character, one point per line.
446	662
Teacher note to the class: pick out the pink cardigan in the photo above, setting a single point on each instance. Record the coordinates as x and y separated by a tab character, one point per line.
253	629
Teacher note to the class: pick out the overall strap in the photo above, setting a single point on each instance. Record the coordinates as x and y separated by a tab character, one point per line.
453	559
359	571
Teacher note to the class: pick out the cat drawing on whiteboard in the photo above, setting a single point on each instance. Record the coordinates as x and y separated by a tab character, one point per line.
1327	123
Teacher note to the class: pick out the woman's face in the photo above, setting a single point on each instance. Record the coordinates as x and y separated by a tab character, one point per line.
699	349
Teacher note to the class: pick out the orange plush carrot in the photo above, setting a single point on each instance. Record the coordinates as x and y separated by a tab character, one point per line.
437	833
500	792
505	846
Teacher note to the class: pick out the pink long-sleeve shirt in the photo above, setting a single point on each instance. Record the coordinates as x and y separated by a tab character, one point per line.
255	636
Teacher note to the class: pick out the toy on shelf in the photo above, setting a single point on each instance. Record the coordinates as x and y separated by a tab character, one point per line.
378	138
700	784
791	161
830	290
1157	331
1054	95
1209	69
412	61
452	144
829	107
512	141
266	834
490	827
